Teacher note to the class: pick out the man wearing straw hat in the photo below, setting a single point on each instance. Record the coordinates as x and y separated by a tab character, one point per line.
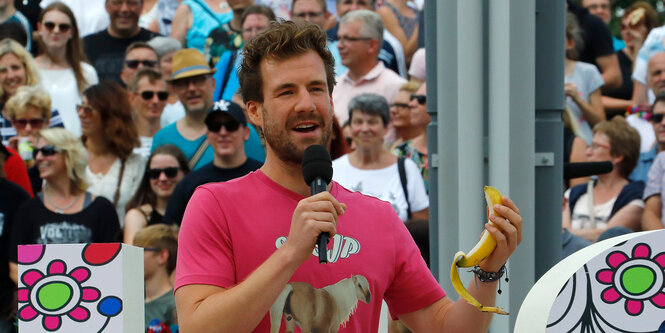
193	84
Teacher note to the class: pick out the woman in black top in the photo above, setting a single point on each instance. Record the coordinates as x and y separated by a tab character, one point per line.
11	197
165	168
64	212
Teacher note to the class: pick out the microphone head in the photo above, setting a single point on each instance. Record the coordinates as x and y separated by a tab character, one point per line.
586	169
316	162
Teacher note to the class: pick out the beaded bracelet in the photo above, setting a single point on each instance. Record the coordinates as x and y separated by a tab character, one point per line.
484	276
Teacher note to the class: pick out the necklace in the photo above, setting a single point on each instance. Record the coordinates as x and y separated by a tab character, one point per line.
58	209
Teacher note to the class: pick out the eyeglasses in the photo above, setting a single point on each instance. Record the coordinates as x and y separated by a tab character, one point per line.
48	150
183	83
230	125
134	64
598	6
22	123
400	106
170	172
305	15
152	249
420	98
347	39
148	95
62	27
256	30
129	3
657	117
86	109
596	145
359	3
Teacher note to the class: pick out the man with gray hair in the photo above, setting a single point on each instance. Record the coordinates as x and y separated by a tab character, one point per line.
360	37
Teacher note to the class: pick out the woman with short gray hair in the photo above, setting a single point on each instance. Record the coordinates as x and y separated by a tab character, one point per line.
372	169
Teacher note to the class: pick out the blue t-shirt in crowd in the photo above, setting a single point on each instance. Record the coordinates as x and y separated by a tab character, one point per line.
170	134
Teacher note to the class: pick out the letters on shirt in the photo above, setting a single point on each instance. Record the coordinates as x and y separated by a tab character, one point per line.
342	247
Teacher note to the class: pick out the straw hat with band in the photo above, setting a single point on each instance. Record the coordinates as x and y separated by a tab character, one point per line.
188	63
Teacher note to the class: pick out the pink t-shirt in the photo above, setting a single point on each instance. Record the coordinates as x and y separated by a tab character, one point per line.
231	228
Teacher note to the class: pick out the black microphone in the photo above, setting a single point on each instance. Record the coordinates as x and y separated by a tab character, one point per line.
585	169
317	171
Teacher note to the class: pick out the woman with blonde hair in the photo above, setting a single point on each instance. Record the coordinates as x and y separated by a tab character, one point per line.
61	159
62	64
29	111
17	69
109	133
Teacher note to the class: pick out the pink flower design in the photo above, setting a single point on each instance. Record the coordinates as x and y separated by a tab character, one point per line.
55	294
635	279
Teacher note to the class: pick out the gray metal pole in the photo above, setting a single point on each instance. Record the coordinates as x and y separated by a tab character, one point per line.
550	41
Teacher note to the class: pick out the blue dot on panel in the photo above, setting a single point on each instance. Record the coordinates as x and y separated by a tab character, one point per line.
110	306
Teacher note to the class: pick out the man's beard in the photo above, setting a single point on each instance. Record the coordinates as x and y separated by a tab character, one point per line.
288	150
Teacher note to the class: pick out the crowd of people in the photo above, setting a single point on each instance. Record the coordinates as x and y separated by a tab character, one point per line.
113	112
615	92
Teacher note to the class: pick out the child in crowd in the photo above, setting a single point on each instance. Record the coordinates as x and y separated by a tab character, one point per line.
160	244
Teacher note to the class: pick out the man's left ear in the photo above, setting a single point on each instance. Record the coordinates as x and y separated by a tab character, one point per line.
254	113
245	135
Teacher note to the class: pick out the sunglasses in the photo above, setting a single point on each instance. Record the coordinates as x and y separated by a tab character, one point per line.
22	123
134	64
420	98
183	83
215	126
148	95
657	117
400	105
62	27
152	249
170	172
48	150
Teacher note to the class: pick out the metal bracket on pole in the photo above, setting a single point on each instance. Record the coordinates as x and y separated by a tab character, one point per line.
544	159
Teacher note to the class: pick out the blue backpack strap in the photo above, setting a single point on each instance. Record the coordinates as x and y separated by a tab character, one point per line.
575	193
630	192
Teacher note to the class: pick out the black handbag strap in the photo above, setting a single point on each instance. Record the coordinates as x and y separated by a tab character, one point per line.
229	67
402	179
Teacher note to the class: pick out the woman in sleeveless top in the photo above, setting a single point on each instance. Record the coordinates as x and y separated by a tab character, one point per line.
401	20
194	19
109	134
62	65
165	168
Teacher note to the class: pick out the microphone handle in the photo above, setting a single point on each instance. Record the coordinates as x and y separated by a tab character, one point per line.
318	186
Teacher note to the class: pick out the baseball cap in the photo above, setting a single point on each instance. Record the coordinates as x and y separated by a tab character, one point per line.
232	109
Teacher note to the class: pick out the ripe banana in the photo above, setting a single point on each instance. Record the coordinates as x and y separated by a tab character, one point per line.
479	252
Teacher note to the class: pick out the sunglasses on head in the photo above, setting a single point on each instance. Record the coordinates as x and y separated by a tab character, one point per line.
657	117
420	98
21	123
170	172
62	27
134	64
48	150
230	125
161	95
